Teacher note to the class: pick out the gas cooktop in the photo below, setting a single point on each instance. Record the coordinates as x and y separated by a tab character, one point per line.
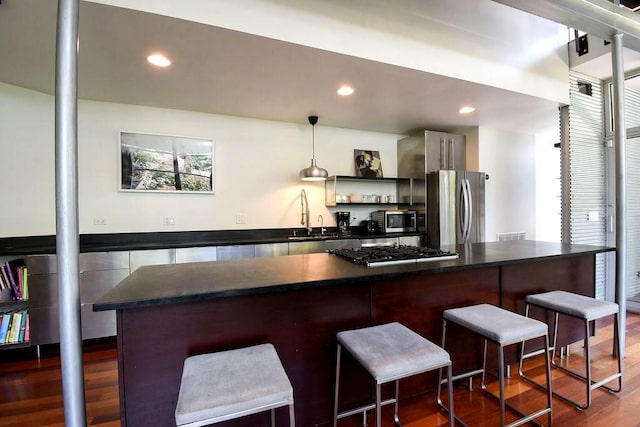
375	256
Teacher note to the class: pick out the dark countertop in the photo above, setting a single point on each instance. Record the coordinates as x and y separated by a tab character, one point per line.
42	245
167	284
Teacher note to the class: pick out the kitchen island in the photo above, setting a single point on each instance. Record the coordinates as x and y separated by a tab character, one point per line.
299	302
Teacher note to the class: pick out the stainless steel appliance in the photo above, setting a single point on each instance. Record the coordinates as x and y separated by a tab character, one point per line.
343	220
430	151
449	200
368	227
377	256
455	207
395	221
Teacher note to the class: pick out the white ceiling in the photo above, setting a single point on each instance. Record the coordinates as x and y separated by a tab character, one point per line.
221	71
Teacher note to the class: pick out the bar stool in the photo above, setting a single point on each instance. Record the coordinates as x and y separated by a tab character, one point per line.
503	328
586	309
216	387
390	352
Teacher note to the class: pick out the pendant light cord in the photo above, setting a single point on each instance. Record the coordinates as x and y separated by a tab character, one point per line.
313	141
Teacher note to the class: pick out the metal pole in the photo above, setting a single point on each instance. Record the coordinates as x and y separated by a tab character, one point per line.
67	236
621	193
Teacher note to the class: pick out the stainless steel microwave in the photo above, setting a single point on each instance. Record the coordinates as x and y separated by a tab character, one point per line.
398	221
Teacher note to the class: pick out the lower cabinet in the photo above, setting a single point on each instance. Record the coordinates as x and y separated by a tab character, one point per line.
43	304
101	271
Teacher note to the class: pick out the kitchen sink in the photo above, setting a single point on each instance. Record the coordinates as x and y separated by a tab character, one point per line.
315	237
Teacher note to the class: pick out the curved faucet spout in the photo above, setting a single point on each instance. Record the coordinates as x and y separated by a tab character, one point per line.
321	221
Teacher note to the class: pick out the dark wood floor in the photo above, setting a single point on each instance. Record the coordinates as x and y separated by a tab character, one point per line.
30	390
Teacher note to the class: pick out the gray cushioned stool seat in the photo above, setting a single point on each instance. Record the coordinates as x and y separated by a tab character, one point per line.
586	309
392	351
229	384
504	328
573	304
496	324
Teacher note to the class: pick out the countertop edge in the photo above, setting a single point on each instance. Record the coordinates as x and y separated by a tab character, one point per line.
380	273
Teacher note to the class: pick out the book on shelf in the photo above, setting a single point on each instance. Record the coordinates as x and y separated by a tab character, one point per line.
5	279
27	335
3	284
14	328
23	275
4	328
23	326
11	268
16	331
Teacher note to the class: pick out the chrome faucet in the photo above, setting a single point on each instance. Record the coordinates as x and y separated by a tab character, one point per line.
321	220
305	217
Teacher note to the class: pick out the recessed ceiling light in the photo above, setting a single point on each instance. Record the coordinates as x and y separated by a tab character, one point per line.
467	109
158	60
345	90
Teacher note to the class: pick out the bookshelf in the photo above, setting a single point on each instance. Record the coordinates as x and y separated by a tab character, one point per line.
14	303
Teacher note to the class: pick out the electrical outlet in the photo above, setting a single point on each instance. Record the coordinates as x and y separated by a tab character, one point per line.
169	220
241	219
99	221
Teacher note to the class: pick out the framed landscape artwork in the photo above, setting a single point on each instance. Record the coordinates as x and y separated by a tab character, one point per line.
180	164
368	164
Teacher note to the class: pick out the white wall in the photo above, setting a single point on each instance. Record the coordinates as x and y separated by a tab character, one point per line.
548	181
509	158
256	168
26	161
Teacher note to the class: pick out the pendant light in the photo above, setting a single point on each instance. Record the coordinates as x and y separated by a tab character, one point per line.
313	172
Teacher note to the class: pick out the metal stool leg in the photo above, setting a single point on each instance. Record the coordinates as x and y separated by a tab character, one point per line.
501	381
335	401
450	411
438	398
396	418
378	406
587	352
292	416
452	421
547	363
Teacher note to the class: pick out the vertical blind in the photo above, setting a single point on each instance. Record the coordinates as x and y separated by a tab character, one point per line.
586	201
632	284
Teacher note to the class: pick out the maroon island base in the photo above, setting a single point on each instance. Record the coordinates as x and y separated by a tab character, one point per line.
298	303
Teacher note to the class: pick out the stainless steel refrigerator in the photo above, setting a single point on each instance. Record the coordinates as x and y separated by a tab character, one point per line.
432	180
455	207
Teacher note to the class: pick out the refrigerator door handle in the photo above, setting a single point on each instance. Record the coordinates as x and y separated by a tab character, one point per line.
469	213
464	212
443	154
451	153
